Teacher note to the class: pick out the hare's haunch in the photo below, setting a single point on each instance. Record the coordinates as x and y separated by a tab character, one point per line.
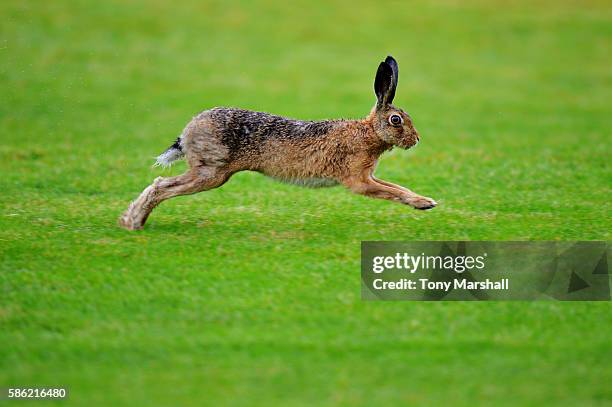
222	141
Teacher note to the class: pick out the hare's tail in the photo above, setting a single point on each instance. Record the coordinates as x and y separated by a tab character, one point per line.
173	153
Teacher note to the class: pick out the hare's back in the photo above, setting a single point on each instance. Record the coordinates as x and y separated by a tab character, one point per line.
253	140
245	129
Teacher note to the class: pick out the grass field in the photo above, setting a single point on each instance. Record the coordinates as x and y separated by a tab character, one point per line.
250	294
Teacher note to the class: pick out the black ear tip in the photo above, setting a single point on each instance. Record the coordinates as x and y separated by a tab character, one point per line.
384	67
390	60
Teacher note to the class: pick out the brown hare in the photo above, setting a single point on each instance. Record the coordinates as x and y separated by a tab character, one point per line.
222	141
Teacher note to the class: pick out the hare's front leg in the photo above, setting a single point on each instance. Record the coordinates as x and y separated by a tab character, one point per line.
411	198
369	186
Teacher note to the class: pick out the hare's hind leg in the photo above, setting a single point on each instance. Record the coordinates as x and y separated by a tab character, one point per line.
195	180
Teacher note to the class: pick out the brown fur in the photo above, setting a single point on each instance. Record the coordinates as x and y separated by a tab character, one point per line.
220	142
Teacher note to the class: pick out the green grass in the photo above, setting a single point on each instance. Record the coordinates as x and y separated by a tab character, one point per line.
250	294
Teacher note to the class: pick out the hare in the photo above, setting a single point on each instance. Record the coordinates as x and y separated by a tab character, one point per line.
222	141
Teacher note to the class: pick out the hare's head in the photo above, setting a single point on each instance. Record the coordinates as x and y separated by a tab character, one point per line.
392	124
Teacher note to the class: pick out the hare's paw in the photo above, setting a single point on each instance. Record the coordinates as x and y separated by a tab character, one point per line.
420	202
127	221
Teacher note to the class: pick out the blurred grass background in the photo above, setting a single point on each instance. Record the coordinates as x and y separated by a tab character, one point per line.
250	294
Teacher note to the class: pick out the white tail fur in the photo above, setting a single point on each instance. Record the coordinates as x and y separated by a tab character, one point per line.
173	153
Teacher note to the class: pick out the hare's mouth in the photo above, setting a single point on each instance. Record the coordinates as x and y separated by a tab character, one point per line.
406	145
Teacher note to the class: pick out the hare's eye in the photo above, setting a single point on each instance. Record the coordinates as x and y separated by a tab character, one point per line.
395	119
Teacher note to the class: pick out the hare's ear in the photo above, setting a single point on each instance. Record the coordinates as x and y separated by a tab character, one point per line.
393	64
386	81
